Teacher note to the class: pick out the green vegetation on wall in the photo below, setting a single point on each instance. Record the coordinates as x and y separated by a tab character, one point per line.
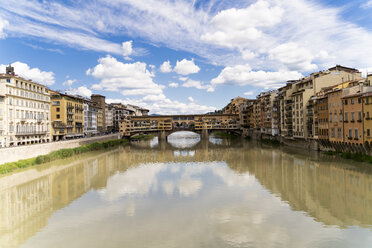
60	154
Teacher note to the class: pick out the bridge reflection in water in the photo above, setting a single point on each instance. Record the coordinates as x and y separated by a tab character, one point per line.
233	202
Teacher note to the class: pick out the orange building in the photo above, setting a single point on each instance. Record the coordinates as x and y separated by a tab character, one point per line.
335	116
353	123
321	115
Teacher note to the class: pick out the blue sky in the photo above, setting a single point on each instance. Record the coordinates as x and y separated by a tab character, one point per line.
178	56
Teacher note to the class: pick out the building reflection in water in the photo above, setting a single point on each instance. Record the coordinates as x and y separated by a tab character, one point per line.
243	190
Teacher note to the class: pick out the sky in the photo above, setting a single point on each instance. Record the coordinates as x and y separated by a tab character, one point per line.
181	56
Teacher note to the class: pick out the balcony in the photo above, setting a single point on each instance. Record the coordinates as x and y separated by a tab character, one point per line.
359	120
31	133
349	138
352	121
70	112
70	107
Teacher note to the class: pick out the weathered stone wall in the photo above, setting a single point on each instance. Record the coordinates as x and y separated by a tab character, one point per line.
12	154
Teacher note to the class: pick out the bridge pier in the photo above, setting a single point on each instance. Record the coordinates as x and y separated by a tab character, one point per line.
205	134
162	136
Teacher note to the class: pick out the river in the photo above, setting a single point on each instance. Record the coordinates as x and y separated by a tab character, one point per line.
189	193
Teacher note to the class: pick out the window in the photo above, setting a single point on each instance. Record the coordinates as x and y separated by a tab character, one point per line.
352	116
350	133
57	109
330	117
356	134
345	102
359	100
339	133
57	116
8	80
368	131
367	114
56	103
359	116
352	101
333	132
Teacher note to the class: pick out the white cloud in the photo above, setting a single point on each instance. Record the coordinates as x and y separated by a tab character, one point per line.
183	79
3	25
166	67
128	78
80	91
127	48
190	99
366	5
293	57
163	105
186	67
243	75
35	74
173	85
239	27
198	85
69	82
249	93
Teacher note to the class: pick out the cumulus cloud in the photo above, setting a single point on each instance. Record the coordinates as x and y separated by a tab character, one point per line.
160	104
198	85
35	74
183	79
186	67
166	67
173	85
69	82
127	48
80	91
239	27
3	25
243	75
293	57
191	99
128	78
249	93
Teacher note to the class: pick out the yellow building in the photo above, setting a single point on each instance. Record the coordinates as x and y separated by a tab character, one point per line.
233	106
67	115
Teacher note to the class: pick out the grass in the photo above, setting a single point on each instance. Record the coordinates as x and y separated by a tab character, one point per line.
143	137
60	154
353	156
225	135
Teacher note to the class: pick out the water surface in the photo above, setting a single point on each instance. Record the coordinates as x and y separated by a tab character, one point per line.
189	193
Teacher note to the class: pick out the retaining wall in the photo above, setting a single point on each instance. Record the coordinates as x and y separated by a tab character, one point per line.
12	154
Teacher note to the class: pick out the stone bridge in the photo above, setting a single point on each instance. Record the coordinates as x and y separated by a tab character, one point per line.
164	125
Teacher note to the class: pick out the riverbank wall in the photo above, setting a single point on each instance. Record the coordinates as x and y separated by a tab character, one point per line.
310	144
13	154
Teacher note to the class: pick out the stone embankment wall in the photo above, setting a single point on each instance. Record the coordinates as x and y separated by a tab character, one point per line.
311	144
12	154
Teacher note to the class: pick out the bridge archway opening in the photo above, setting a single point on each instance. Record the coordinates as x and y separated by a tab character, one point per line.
183	139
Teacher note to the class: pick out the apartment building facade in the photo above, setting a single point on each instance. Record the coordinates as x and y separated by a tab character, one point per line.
67	115
24	111
90	118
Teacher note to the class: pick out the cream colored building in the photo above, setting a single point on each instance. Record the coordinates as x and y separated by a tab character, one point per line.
24	111
305	88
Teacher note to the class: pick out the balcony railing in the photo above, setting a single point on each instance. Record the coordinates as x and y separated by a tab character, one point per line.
31	133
